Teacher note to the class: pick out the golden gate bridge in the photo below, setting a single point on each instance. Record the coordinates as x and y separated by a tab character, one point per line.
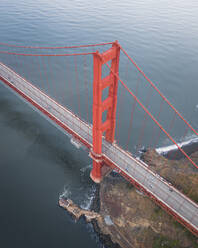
86	93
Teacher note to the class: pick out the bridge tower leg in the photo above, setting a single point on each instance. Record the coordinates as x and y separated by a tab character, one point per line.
100	106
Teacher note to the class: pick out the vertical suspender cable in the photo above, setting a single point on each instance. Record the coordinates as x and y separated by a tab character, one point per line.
121	101
69	83
159	92
155	127
144	121
40	73
77	85
51	78
86	86
153	118
45	76
132	111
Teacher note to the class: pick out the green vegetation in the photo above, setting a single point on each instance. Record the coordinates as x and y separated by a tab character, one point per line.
180	173
164	242
187	233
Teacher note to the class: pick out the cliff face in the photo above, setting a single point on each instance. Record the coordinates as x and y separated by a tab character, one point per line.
133	220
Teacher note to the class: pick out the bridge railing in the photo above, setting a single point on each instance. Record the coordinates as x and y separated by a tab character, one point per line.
145	118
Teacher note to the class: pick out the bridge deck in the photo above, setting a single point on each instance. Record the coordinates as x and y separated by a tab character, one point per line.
177	204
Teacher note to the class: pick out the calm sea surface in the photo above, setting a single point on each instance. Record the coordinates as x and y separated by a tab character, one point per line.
37	162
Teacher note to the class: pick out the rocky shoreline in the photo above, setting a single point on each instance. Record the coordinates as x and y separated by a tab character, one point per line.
106	239
78	212
127	218
136	221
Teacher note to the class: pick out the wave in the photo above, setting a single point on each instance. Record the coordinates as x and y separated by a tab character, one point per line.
88	199
166	149
66	193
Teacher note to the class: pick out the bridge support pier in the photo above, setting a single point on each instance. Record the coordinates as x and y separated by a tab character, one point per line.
96	173
100	106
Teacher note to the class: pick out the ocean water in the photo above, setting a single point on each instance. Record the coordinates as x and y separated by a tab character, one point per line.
37	162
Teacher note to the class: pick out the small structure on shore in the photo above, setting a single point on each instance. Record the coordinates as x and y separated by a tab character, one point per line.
76	211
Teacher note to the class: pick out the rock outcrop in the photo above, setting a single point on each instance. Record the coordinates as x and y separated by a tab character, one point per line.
76	211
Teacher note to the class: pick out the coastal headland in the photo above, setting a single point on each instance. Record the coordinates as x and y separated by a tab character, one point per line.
129	218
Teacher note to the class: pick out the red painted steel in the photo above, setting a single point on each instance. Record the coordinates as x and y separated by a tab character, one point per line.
132	113
154	119
161	204
86	86
99	106
99	127
153	197
54	119
158	91
45	55
60	47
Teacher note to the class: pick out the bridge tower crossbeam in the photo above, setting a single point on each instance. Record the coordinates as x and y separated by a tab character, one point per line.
100	106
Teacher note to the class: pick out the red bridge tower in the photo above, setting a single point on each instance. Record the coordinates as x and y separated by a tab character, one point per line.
99	106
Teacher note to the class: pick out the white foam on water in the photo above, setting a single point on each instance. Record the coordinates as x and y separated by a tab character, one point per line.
88	200
189	140
66	193
76	143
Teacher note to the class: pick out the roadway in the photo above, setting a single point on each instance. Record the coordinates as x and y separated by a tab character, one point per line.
178	203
